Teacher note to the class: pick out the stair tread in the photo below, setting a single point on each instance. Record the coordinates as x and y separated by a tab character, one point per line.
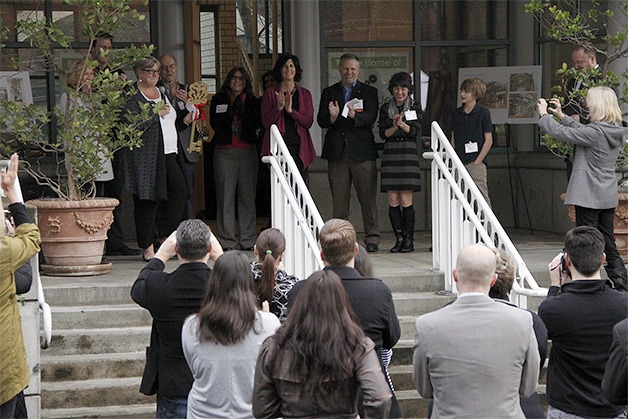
91	384
146	410
92	357
104	330
108	307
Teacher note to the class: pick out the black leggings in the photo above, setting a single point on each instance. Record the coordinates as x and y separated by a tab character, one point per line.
172	210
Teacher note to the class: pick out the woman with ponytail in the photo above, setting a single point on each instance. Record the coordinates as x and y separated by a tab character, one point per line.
272	282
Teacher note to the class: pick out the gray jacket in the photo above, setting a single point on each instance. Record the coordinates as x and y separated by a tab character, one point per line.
593	183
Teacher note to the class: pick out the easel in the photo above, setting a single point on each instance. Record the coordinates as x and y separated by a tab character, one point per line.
512	190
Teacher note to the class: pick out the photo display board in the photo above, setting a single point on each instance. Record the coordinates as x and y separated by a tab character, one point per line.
511	92
16	87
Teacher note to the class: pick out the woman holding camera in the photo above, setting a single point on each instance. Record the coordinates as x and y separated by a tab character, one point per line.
592	187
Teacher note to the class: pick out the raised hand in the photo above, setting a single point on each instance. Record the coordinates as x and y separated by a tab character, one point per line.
7	179
281	99
288	102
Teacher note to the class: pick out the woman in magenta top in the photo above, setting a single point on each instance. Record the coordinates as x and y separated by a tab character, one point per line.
290	107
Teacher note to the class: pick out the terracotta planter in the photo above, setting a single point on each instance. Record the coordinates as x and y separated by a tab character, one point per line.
73	235
621	226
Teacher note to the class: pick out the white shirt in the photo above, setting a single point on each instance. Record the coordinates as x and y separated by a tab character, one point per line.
168	128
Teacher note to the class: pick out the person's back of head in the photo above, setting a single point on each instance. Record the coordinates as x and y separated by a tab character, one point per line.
338	245
269	247
193	240
228	311
364	263
475	269
584	246
603	105
506	271
321	336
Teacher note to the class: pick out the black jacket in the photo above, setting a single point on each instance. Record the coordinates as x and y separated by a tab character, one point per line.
356	134
615	381
170	298
250	114
580	322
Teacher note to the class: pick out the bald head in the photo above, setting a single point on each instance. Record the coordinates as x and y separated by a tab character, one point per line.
475	268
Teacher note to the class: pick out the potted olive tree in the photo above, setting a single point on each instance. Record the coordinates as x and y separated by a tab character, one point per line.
89	128
604	30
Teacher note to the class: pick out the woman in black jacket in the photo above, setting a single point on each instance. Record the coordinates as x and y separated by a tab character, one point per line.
152	172
235	118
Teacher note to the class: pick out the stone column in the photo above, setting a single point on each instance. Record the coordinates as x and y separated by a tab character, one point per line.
171	33
306	45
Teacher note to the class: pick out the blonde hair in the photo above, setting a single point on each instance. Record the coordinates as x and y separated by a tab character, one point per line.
73	76
337	239
603	105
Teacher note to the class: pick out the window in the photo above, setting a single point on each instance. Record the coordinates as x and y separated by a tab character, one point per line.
209	48
244	24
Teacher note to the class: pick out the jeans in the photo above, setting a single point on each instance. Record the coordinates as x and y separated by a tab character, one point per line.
171	407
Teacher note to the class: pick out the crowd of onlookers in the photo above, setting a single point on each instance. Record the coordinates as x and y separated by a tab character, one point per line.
248	339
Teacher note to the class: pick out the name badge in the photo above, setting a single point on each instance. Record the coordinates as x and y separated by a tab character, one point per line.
411	115
221	108
471	148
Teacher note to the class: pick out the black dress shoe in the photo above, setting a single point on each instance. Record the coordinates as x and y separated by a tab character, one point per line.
372	248
123	250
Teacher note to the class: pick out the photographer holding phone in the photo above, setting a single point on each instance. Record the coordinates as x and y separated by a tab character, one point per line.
579	316
14	252
592	186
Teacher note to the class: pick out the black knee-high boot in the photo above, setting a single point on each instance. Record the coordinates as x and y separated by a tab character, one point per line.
408	230
397	225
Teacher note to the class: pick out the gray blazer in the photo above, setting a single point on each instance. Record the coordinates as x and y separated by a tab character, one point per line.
593	183
475	357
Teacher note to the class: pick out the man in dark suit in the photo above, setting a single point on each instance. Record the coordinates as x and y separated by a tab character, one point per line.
348	110
585	61
178	97
171	298
370	298
615	381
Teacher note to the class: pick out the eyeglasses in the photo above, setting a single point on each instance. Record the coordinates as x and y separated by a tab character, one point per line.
150	71
238	78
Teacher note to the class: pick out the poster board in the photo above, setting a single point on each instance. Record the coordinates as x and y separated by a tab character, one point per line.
16	87
511	92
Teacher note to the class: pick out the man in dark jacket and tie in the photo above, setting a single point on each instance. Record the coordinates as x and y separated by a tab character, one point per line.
348	110
171	298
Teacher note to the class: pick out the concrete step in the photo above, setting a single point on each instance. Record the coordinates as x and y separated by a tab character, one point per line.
138	411
408	328
100	316
92	366
93	393
82	293
410	279
94	341
412	404
401	376
418	303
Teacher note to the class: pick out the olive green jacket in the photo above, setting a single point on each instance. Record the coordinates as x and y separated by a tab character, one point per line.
14	252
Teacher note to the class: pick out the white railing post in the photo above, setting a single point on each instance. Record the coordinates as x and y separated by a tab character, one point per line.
293	210
461	216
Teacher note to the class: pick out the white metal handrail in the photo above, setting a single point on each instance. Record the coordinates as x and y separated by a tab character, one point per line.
461	216
293	210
